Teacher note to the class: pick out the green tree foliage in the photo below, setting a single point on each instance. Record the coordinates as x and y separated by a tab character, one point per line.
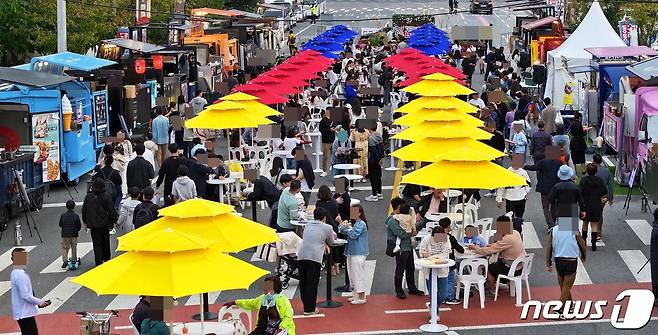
245	5
645	14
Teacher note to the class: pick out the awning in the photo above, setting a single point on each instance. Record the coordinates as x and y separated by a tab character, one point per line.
646	69
635	51
518	9
538	23
74	61
270	6
31	78
134	45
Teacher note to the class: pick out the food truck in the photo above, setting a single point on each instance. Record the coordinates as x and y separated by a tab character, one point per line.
220	44
630	123
40	140
539	37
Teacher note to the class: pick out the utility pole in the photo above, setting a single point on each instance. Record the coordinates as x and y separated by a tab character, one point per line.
61	25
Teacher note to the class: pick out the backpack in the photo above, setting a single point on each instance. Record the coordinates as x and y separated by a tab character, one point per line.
110	188
143	215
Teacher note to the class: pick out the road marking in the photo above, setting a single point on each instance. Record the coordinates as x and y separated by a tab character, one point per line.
634	259
303	30
122	301
59	204
308	316
483	20
292	288
4	287
59	295
642	229
5	258
530	238
582	277
462	16
196	299
417	310
56	266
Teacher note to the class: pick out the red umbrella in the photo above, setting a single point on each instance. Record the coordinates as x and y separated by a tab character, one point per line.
290	78
305	72
407	51
265	95
275	85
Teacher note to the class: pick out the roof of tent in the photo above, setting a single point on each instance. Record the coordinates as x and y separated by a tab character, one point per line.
74	61
593	24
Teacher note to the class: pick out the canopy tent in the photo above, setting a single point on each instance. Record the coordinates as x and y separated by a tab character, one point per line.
593	31
71	60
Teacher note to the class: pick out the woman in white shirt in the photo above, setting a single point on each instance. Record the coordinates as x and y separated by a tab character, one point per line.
289	143
514	197
437	245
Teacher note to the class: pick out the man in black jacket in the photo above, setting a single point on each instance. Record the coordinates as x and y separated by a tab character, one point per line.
328	135
497	141
169	169
99	216
147	211
432	203
547	170
70	223
139	171
565	195
199	174
540	140
264	189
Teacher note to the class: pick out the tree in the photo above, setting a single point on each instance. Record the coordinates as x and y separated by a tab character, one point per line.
245	5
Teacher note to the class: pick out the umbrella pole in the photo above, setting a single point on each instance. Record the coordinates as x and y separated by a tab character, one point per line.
205	313
202	312
461	231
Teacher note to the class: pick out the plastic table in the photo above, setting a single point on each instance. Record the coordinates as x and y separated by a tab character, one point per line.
220	182
391	142
329	303
434	326
283	154
317	149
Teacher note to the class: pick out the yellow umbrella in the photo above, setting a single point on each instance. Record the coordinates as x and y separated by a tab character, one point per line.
175	274
464	175
227	232
426	115
195	208
162	240
434	149
437	103
438	129
250	103
438	76
437	88
226	119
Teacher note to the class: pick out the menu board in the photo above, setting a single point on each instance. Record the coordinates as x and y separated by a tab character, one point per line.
100	114
45	135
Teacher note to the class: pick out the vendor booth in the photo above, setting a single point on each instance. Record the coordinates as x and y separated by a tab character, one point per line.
564	87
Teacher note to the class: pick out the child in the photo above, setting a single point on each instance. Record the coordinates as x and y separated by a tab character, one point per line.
127	209
446	224
71	225
406	218
183	187
471	237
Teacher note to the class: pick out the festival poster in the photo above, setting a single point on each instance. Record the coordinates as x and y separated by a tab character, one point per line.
45	135
568	93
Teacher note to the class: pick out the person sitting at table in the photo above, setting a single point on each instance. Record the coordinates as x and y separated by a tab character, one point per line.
471	236
289	143
288	207
432	203
304	173
274	309
438	245
446	224
142	311
155	323
509	247
318	240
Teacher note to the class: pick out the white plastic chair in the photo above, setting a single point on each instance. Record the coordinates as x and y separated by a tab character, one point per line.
484	225
234	311
473	277
516	282
395	101
235	154
132	325
471	212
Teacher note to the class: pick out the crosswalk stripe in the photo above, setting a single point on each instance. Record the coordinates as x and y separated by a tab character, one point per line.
642	229
4	287
56	266
634	259
530	238
5	258
292	288
588	241
123	302
195	299
59	295
582	277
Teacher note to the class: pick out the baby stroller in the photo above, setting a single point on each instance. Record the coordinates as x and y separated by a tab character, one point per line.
288	266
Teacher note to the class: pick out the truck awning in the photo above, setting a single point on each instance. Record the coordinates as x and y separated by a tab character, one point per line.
628	51
645	69
538	23
74	61
31	78
134	45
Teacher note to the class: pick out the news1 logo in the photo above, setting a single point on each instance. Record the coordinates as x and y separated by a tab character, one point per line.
636	316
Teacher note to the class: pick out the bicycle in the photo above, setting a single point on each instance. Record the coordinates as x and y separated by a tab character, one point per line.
96	323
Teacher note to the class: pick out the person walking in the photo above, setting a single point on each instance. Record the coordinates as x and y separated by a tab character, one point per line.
128	208
70	223
578	146
603	172
540	140
160	131
169	169
565	195
23	302
183	187
139	171
404	260
328	135
318	240
565	246
99	216
547	176
375	160
548	115
356	230
108	173
515	196
147	211
593	190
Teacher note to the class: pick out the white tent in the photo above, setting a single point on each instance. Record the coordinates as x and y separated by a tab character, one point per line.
593	31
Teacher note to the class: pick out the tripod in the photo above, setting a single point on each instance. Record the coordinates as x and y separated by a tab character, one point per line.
26	204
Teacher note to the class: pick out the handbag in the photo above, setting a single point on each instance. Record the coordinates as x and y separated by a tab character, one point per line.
390	246
558	118
238	326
